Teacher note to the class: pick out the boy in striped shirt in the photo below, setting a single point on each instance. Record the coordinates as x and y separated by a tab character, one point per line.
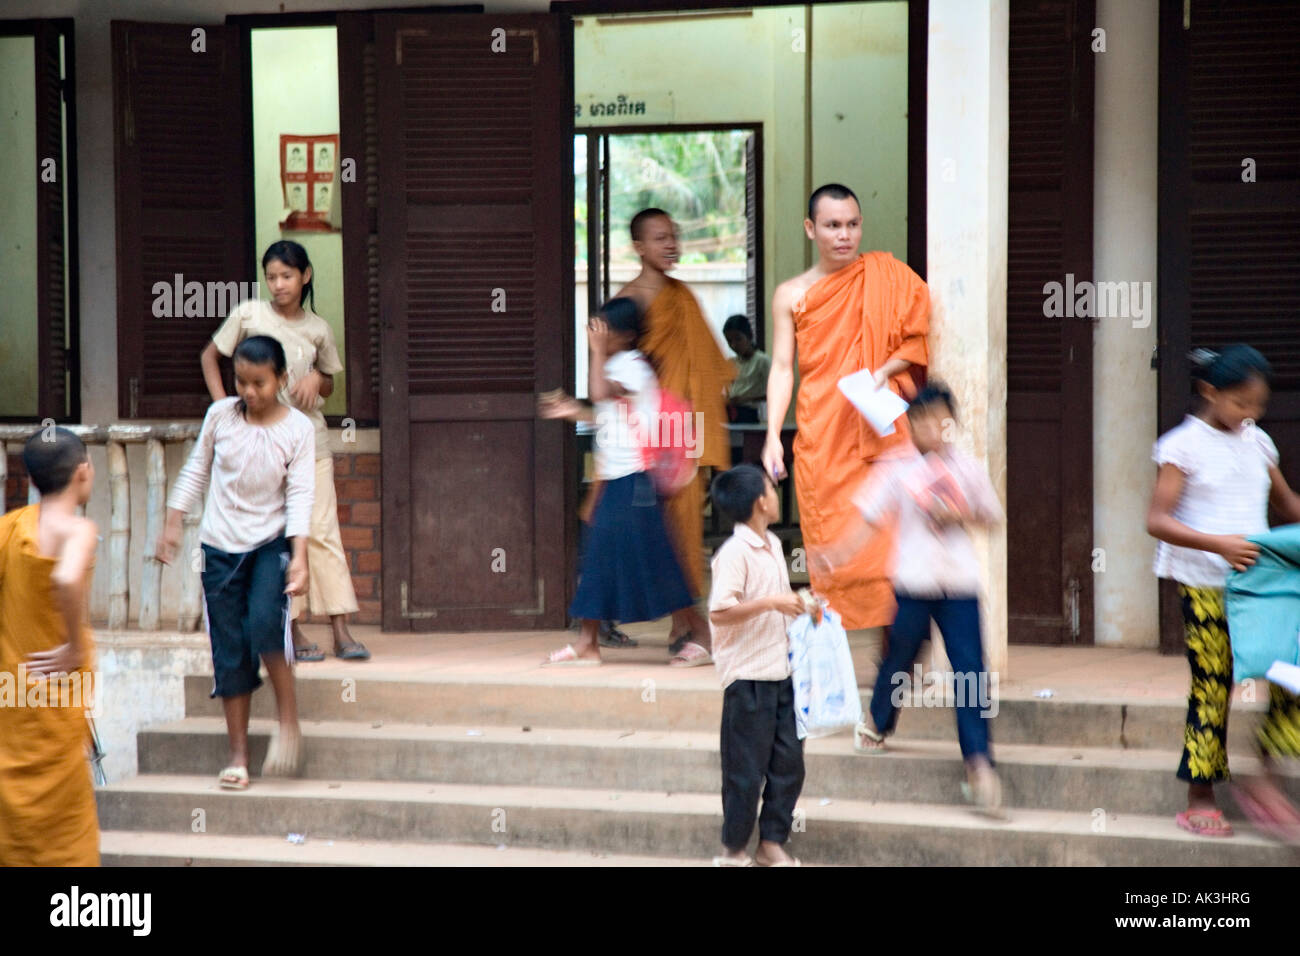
750	606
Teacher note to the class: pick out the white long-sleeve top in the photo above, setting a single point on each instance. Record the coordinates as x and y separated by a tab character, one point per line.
262	478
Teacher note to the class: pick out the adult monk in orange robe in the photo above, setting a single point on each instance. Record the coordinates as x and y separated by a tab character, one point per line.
686	357
848	312
47	802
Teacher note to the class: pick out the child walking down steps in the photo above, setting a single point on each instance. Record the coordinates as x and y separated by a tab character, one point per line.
253	458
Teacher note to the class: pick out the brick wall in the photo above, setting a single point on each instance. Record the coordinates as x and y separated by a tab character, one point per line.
356	483
15	489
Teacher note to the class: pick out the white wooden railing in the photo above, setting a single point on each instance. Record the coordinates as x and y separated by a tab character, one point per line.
115	438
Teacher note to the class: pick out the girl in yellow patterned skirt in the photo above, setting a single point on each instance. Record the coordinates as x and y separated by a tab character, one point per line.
1218	474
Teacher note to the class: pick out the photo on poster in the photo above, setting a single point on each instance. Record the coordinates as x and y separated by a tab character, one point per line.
295	157
298	198
324	158
321	199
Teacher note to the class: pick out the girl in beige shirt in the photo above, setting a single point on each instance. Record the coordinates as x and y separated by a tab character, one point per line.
313	361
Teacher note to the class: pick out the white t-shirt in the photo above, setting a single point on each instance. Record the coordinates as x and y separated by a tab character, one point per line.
258	480
1225	492
618	446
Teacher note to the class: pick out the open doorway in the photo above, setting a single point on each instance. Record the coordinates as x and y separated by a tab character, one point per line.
707	178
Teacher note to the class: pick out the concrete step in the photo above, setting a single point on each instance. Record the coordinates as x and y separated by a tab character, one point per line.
678	825
1076	779
145	848
582	700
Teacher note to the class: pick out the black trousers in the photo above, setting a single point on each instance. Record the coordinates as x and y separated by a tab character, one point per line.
761	754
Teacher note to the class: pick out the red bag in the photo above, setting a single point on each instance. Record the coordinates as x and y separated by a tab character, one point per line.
663	444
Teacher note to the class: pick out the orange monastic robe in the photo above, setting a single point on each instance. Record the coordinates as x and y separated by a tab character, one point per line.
47	801
859	317
688	361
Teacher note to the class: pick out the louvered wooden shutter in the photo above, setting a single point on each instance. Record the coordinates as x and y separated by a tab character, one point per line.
479	177
1229	257
754	239
58	391
1236	97
1049	360
183	202
359	141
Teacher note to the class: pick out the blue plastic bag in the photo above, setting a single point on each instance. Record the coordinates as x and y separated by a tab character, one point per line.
826	697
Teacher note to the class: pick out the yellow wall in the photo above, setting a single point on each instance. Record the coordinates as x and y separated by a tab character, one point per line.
19	358
296	90
749	69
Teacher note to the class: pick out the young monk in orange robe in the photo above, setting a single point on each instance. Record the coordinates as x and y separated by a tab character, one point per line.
47	802
848	312
689	362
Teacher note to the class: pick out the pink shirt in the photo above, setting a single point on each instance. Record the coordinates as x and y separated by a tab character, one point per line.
748	567
930	561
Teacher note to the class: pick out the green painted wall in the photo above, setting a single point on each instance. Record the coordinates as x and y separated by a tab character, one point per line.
859	107
18	343
296	90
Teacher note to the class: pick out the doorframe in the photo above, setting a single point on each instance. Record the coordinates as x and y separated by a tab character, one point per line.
650	128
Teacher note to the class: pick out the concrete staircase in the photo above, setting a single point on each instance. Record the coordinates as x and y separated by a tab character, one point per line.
433	771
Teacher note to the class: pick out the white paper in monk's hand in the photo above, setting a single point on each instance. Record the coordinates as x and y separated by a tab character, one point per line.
879	406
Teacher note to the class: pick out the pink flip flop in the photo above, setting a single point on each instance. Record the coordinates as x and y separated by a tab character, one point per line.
568	657
1184	820
691	655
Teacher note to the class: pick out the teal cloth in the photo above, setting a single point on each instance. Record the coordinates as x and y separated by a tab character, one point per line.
1263	605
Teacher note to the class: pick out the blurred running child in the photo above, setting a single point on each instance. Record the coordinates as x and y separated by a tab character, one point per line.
938	493
630	571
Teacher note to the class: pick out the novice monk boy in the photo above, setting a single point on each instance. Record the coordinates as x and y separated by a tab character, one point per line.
750	605
47	802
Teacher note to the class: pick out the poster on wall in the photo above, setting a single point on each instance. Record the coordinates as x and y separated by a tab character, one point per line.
309	177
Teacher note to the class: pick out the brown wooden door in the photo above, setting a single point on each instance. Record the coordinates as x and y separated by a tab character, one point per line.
184	203
1229	257
476	244
1049	358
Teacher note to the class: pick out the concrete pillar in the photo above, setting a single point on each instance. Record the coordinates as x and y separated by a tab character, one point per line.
966	252
1124	391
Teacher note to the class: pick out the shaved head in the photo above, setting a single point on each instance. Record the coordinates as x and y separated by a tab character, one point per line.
833	191
640	219
50	457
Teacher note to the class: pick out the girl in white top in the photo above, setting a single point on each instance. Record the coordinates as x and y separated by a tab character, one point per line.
1218	474
629	567
253	459
313	361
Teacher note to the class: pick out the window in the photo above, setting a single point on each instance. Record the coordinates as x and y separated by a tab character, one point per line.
38	312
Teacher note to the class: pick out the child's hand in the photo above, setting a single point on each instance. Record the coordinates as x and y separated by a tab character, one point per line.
788	604
598	335
297	577
306	390
942	514
1238	552
168	541
828	558
64	659
559	406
